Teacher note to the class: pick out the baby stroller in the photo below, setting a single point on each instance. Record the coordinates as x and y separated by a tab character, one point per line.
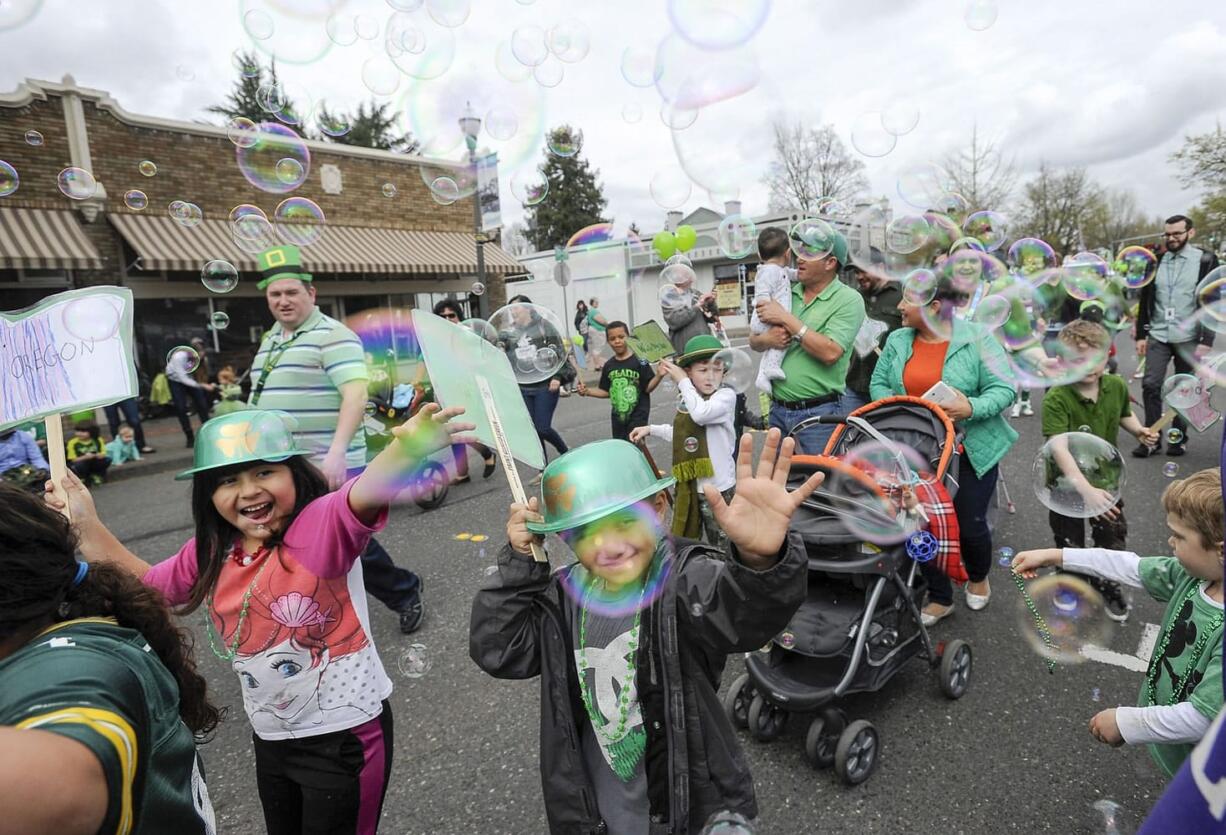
860	622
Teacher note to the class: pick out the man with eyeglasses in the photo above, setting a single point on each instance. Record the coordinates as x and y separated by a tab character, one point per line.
1167	327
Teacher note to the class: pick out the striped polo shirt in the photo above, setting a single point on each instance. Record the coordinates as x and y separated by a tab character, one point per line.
305	381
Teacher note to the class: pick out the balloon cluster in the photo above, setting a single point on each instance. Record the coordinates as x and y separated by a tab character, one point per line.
667	244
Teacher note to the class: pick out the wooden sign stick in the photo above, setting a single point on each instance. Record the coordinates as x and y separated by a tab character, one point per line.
1164	421
55	457
504	454
643	447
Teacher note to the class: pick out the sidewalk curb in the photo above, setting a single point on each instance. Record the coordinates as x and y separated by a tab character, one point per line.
154	467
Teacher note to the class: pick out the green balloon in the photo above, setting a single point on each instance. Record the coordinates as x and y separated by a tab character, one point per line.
686	238
665	244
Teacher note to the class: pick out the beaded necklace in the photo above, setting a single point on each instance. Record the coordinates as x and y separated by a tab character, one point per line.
1202	640
624	748
1039	622
214	638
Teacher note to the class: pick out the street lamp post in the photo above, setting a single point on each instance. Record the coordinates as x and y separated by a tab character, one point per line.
470	126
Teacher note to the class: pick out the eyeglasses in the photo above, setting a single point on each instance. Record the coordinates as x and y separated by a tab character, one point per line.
1174	234
451	316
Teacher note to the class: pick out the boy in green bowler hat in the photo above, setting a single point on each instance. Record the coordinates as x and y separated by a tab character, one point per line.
703	436
630	641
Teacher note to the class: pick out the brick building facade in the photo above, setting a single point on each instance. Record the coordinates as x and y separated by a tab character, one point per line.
403	251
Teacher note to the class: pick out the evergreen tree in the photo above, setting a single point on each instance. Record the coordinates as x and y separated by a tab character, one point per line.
576	198
244	95
370	128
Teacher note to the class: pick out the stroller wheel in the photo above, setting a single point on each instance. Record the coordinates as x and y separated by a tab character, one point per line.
956	663
855	757
765	720
823	738
736	701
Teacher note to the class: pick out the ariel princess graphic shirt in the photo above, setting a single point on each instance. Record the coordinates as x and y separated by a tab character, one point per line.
293	623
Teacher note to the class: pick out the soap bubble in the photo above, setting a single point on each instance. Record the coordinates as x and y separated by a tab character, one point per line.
188	215
449	13
1209	299
866	494
922	186
919	287
980	14
677	118
76	183
135	199
444	190
501	123
258	24
250	229
672	297
739	371
414	661
247	66
1114	819
670	187
639	66
529	45
1174	436
482	329
678	270
565	143
299	221
241	131
1136	266
219	276
276	153
9	181
1084	428
1182	391
529	186
570	41
531	336
147	168
1031	256
185	357
1073	612
33	137
1060	364
220	320
388	189
989	228
550	73
811	239
869	137
1170	469
1085	276
1004	556
93	319
907	233
900	118
341	29
738	236
332	124
718	24
993	311
418	45
1078	474
1096	695
478	289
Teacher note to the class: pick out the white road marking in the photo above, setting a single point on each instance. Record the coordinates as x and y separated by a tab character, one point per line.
1145	649
1138	663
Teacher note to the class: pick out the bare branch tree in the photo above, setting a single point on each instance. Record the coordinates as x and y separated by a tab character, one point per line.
1118	218
1202	161
981	173
1058	206
811	163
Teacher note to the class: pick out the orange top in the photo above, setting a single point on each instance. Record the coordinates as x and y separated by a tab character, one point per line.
924	368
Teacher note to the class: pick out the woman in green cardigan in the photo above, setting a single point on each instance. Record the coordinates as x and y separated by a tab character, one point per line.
935	345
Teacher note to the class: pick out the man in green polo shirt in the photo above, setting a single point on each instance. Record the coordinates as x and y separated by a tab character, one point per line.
313	367
818	334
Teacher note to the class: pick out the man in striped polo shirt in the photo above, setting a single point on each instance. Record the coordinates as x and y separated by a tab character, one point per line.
313	367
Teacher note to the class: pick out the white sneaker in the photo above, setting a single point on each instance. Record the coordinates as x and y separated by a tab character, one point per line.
1016	410
1027	409
978	602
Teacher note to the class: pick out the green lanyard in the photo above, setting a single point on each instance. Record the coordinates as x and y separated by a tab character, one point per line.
274	356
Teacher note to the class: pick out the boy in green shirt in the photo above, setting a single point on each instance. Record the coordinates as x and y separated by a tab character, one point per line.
1097	404
1182	692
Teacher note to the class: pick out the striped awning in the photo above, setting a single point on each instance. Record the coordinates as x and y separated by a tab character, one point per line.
44	239
164	244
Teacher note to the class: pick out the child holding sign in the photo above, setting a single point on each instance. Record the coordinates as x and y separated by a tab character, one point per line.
643	623
274	560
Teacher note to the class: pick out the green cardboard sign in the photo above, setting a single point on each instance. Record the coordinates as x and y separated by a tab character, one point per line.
71	351
455	356
649	341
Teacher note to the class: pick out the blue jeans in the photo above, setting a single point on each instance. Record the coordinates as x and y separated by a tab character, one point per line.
812	439
180	394
541	403
971	507
131	415
850	401
391	585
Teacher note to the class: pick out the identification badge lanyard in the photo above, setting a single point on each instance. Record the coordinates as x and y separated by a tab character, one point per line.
1173	284
270	362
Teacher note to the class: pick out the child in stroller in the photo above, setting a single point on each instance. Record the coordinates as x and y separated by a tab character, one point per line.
880	512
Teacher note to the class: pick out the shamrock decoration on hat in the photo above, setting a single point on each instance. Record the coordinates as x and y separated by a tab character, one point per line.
281	262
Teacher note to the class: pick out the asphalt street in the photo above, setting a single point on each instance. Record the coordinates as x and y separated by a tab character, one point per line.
1014	755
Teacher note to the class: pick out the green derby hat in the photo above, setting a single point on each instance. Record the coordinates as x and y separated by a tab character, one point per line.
593	481
280	262
701	347
242	438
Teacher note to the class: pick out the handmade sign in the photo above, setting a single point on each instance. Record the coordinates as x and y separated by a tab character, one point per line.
71	351
650	342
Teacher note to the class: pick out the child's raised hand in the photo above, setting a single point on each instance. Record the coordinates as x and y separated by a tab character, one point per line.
757	519
1105	729
1027	563
518	535
431	429
80	502
671	369
638	433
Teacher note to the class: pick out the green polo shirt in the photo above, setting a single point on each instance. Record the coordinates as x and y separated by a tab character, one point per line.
305	378
1064	410
837	313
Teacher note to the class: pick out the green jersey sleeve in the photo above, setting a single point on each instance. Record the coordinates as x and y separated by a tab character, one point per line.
1161	575
1207	695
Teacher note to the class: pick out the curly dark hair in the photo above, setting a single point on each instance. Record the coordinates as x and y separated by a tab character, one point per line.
37	568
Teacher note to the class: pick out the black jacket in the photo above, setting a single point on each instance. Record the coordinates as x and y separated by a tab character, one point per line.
710	605
1145	307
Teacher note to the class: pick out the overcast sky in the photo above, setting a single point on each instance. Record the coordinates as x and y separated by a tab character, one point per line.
1111	84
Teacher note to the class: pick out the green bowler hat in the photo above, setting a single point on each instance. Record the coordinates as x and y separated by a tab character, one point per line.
593	481
280	262
243	438
701	347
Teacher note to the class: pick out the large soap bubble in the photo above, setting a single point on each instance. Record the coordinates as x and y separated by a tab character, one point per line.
531	336
277	161
739	369
1078	474
718	24
1073	613
870	494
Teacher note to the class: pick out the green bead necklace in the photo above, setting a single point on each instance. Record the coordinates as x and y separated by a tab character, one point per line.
1039	622
625	748
1202	640
214	638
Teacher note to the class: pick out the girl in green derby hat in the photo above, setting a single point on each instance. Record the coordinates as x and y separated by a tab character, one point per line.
274	561
638	630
